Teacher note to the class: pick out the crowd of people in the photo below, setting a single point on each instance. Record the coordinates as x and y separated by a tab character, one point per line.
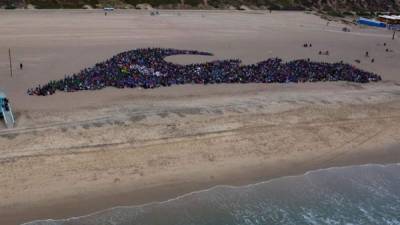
146	68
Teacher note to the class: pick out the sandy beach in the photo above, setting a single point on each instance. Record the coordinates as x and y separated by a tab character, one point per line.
71	154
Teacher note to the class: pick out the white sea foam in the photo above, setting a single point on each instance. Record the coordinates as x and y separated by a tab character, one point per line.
260	203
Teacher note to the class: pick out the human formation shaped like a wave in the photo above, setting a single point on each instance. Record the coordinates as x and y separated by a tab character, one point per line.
146	68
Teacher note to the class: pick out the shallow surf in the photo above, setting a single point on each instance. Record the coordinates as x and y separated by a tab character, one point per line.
366	194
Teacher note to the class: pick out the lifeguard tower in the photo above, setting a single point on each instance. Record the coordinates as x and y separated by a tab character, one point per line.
6	112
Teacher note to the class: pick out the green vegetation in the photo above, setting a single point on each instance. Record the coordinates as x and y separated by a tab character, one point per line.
347	13
335	13
65	4
8	4
153	2
364	13
337	8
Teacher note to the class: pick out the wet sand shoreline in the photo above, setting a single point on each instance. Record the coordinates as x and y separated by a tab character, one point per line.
88	204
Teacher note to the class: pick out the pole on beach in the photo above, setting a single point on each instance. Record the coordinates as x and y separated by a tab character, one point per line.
394	33
9	56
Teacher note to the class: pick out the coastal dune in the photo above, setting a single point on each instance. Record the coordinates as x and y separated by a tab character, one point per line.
76	153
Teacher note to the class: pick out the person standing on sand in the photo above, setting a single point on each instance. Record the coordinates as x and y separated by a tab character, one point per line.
21	66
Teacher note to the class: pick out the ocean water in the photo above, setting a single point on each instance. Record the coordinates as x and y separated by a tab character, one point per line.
365	195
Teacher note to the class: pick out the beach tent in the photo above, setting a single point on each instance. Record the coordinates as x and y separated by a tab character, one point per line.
369	22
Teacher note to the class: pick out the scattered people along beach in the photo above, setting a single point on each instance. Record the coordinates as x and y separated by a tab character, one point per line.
323	52
146	68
